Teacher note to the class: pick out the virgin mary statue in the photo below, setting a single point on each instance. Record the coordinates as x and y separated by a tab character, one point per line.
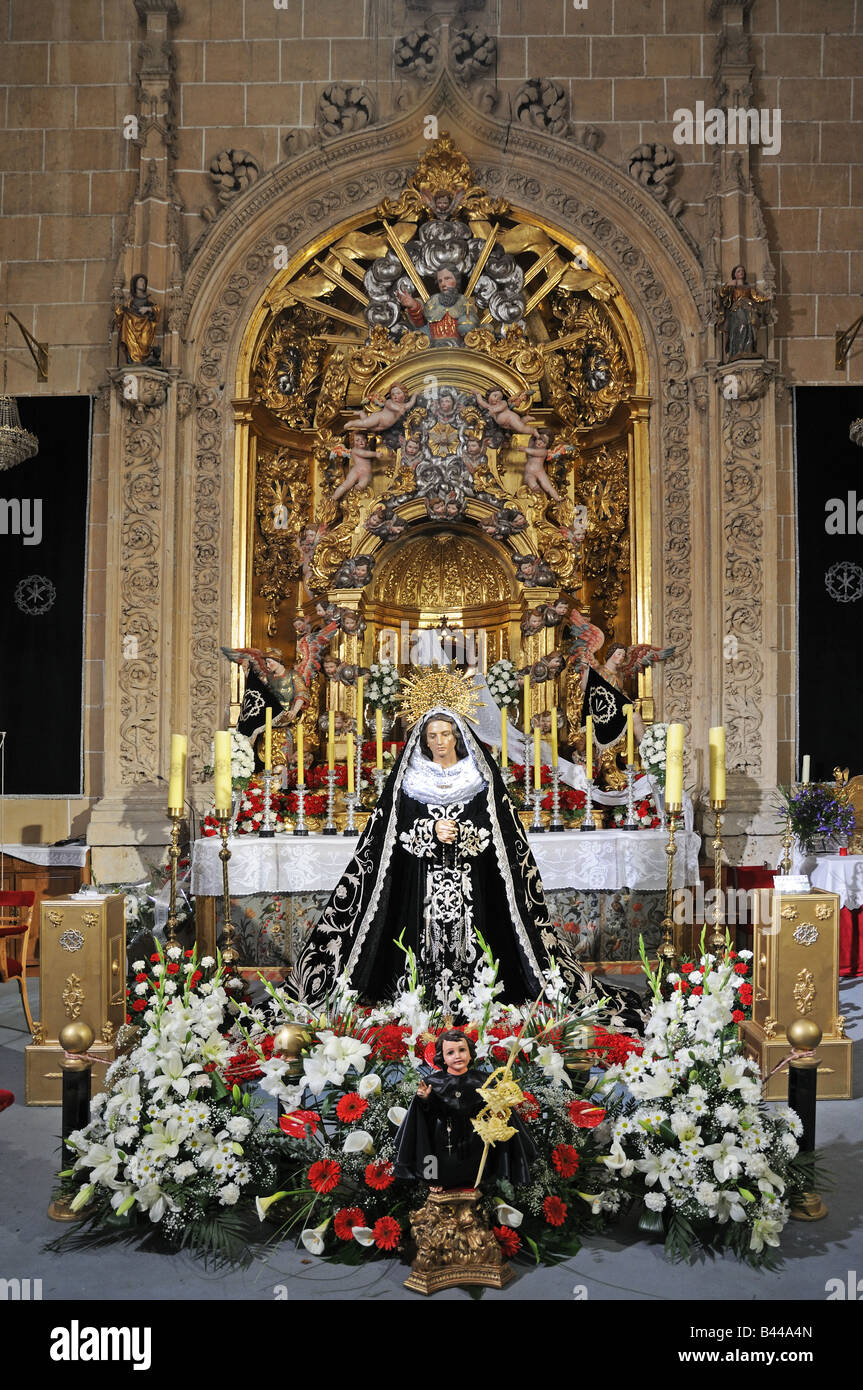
442	862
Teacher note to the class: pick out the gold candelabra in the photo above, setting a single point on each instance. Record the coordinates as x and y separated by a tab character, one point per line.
668	951
174	857
717	940
787	844
230	954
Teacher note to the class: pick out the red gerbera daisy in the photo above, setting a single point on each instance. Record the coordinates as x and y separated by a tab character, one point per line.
345	1220
554	1211
387	1233
324	1175
297	1122
508	1240
528	1109
565	1160
351	1107
584	1115
379	1176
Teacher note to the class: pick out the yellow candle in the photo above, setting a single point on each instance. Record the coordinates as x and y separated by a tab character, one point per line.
674	765
222	760
630	741
554	735
331	740
537	756
503	736
527	707
588	752
359	708
177	782
301	767
350	763
379	738
268	739
716	743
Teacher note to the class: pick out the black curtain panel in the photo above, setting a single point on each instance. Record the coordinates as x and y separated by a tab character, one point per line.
43	569
829	470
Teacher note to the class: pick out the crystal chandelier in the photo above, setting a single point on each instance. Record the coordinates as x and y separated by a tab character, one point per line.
16	443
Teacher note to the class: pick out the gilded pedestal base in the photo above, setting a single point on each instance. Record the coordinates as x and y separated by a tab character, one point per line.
454	1245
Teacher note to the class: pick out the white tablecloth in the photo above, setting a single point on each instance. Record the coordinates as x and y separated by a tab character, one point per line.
834	873
49	856
602	859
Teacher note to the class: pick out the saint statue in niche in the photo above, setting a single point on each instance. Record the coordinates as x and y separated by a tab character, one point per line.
446	317
741	312
137	321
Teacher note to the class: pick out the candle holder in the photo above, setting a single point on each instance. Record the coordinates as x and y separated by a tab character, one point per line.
668	951
351	824
331	828
358	775
267	830
588	822
379	776
300	826
556	822
717	940
631	822
527	787
536	824
230	954
173	856
787	842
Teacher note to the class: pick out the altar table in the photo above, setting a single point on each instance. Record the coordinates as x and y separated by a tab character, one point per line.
841	874
604	888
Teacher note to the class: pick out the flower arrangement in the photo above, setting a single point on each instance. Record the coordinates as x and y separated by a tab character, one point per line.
250	811
816	815
242	759
714	1164
572	802
170	1147
382	686
503	683
651	750
645	814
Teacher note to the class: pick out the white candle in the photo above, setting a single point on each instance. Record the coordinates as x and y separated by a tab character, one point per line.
804	771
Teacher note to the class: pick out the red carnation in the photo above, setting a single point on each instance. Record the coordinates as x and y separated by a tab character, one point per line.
554	1211
744	994
388	1042
584	1115
741	968
297	1122
324	1175
697	989
379	1176
345	1220
128	1018
738	1016
155	957
173	968
188	954
508	1240
195	978
528	1109
565	1160
686	969
140	977
387	1233
351	1107
139	1005
731	955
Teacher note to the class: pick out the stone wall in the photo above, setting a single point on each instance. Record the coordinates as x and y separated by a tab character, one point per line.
250	78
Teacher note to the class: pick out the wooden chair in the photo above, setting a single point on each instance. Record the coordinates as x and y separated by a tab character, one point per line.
16	911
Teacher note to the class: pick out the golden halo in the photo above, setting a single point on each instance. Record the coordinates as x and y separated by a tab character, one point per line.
436	687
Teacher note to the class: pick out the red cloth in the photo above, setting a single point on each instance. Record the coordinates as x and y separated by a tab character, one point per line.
851	941
12	931
10	899
6	1099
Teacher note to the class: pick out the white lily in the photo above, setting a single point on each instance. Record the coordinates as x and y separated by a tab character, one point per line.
508	1216
359	1141
314	1240
363	1235
396	1114
369	1085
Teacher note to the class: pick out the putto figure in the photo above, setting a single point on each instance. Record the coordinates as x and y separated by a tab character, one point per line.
446	317
503	413
359	474
390	412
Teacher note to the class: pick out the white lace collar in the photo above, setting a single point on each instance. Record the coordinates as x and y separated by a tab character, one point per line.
439	786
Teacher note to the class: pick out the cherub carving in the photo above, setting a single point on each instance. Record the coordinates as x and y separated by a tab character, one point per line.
503	412
360	472
539	452
389	413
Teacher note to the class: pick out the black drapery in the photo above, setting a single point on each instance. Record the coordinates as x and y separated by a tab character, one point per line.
605	704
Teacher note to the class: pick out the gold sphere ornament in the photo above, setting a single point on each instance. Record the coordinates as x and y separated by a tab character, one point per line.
289	1042
803	1034
75	1037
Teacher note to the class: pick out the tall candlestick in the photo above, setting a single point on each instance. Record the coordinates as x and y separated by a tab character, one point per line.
301	765
350	764
331	741
177	781
716	744
537	758
630	738
379	739
554	735
804	771
268	739
504	723
360	708
222	779
588	725
526	708
674	766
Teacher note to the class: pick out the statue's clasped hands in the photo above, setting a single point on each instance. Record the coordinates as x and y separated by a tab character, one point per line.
446	831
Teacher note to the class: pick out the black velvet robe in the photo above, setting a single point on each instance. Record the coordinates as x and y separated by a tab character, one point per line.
439	1128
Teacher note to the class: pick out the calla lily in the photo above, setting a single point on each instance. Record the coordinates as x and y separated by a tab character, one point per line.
263	1204
363	1235
314	1240
369	1085
509	1216
360	1142
396	1114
